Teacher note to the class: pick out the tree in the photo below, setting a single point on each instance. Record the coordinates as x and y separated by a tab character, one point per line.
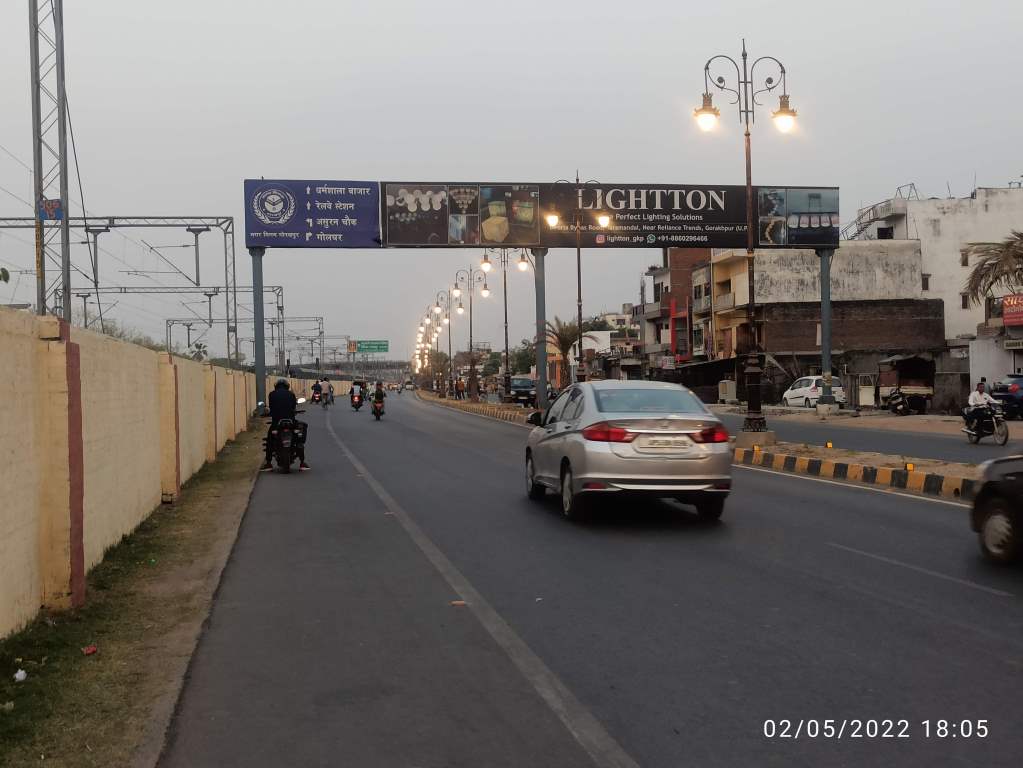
5	276
199	351
999	267
523	357
597	324
562	335
492	364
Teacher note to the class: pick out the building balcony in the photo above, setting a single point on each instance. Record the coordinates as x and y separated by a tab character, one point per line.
701	304
650	310
724	301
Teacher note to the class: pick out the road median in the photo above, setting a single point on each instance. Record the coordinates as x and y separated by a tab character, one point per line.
929	478
500	411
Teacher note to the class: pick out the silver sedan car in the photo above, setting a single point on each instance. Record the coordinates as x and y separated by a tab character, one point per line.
629	437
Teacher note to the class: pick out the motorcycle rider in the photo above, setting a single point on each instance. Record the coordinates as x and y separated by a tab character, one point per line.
316	388
328	390
379	394
976	406
283	404
356	391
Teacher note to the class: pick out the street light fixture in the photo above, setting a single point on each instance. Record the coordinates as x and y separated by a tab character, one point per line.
436	309
785	117
707	116
523	263
485	291
461	309
603	221
485	265
745	95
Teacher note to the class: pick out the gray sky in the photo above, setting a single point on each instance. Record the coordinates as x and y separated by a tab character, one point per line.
174	104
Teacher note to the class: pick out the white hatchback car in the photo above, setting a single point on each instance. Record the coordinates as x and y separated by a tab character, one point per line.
807	391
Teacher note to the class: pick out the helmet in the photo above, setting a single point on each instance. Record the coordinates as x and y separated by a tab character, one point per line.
324	378
282	383
380	383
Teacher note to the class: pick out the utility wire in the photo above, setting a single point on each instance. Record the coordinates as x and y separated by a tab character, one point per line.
93	257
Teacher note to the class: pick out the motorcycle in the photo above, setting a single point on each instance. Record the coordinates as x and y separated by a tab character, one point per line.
991	423
356	402
898	403
317	397
285	439
378	409
326	400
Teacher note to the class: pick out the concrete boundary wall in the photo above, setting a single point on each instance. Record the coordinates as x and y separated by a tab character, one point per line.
94	433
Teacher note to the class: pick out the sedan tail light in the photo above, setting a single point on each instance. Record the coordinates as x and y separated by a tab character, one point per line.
1014	388
604	432
717	434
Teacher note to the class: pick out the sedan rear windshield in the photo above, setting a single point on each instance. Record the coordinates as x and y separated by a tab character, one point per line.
647	401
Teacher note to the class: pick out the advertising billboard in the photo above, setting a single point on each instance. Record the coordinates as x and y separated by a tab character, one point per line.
417	214
312	214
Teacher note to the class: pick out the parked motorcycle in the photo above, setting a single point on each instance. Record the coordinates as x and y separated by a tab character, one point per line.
378	409
898	403
356	402
990	424
285	439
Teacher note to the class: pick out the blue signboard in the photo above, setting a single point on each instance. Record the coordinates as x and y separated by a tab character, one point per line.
312	214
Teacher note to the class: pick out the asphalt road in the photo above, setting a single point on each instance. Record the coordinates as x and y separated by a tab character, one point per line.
640	638
920	445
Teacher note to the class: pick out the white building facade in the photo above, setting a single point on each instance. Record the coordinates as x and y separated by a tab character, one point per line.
945	228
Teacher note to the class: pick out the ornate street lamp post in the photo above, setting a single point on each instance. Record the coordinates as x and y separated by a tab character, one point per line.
745	95
603	221
443	306
468	279
523	265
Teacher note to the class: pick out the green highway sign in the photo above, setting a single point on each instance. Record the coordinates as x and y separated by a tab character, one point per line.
370	346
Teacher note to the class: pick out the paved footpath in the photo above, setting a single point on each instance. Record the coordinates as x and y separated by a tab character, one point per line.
333	642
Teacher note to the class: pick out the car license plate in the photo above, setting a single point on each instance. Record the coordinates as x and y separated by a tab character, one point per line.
664	443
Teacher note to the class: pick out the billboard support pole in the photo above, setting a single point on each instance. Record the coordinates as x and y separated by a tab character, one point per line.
259	348
541	327
825	255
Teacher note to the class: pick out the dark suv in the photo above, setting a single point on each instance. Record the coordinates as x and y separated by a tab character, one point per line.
1009	392
523	391
997	514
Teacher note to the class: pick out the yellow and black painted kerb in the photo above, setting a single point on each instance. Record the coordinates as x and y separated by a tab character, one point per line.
927	483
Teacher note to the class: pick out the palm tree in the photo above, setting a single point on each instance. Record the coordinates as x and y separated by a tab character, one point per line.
999	266
562	335
199	351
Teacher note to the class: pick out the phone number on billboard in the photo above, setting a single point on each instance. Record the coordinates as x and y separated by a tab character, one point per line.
685	238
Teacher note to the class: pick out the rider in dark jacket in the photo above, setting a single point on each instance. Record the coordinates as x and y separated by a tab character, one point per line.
283	404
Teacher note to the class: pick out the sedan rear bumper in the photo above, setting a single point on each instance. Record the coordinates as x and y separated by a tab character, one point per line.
602	471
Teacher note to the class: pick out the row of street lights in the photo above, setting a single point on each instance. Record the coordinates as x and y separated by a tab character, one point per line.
468	281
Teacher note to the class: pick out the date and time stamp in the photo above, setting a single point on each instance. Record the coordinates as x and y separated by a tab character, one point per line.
854	728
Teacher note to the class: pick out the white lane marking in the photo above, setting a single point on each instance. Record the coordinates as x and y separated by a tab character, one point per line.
926	571
875	489
587	730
